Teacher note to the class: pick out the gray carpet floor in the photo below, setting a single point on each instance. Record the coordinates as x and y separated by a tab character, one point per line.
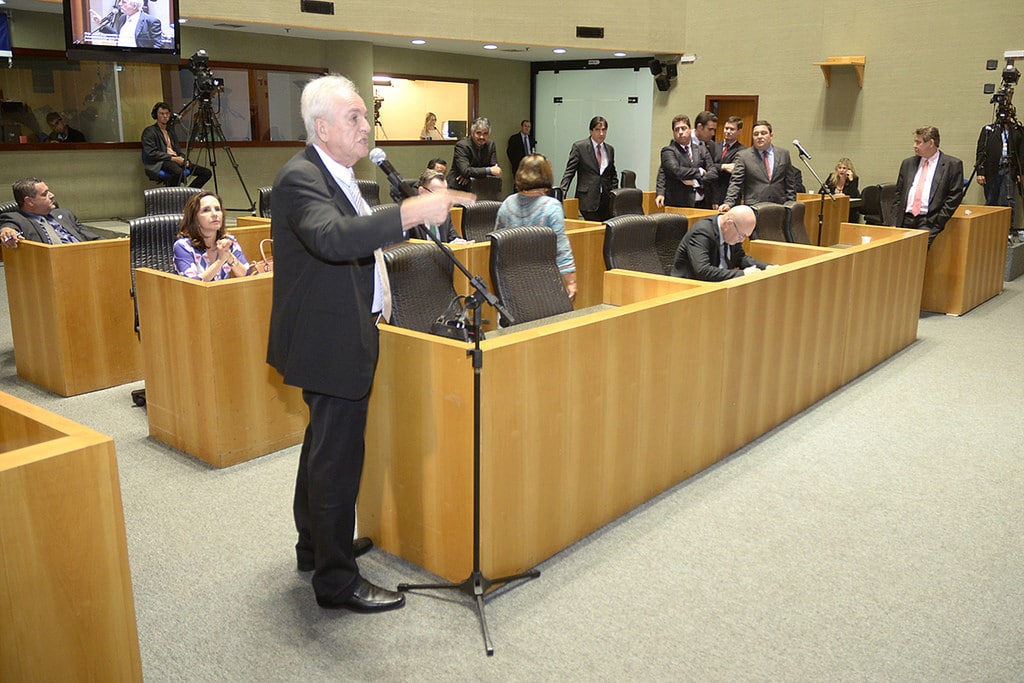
876	536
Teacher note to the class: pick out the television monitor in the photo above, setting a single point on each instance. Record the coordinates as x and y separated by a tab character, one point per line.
96	30
455	129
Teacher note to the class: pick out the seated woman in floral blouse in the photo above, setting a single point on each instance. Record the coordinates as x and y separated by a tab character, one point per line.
204	251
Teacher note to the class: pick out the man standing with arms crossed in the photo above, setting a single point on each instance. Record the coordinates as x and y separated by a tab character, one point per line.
323	337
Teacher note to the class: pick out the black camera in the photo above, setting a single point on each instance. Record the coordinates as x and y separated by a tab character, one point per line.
205	82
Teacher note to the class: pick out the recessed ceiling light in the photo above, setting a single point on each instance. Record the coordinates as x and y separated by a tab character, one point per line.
181	20
559	50
419	41
490	46
620	54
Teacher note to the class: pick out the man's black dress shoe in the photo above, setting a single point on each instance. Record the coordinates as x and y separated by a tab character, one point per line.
360	546
366	598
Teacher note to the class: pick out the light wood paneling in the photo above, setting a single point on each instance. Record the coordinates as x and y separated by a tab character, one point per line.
967	260
836	212
66	606
72	316
573	422
209	390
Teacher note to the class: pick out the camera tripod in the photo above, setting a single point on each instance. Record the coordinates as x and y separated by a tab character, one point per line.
206	130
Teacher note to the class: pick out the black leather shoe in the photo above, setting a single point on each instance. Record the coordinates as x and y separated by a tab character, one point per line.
366	598
360	546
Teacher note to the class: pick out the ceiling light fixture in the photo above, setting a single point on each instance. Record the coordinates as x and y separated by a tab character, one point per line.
419	41
619	54
559	50
490	46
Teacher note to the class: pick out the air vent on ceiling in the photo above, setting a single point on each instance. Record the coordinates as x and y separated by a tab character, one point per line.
590	31
317	7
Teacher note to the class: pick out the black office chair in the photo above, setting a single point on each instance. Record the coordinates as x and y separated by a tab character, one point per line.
8	207
797	231
478	220
670	229
151	245
627	179
264	206
524	275
771	222
370	190
887	195
871	205
164	200
629	244
421	284
627	201
488	188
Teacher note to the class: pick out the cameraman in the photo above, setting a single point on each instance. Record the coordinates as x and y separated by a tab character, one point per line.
998	163
160	152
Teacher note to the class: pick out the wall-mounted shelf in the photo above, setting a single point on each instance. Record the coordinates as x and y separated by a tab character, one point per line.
857	62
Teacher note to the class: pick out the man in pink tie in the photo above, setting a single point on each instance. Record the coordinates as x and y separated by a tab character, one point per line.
930	186
763	173
593	161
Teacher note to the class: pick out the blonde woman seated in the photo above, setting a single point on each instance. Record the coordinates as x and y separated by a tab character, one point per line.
204	251
844	179
531	206
430	131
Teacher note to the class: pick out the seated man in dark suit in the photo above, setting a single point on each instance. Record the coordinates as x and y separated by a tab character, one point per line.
60	131
713	248
39	220
432	182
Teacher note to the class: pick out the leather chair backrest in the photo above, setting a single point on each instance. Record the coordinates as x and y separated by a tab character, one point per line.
370	189
8	207
771	222
887	194
478	220
871	204
797	229
626	201
628	179
629	244
421	284
265	194
670	229
486	188
524	274
151	245
164	200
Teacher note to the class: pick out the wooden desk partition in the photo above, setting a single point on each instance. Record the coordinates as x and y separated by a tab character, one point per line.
584	419
967	260
72	316
66	606
209	390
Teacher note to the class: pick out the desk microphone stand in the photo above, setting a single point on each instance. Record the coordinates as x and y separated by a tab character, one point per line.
476	584
822	190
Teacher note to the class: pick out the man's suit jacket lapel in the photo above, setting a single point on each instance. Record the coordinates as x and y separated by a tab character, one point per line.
938	180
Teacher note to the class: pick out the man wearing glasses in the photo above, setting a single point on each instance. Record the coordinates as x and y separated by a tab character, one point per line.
713	249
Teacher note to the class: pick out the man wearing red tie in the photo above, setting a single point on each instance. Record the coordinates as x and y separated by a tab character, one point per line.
724	157
929	187
594	160
761	174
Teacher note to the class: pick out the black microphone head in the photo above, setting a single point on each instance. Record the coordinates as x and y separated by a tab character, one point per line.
378	156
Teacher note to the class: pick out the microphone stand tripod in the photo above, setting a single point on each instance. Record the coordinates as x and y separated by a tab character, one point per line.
823	190
476	584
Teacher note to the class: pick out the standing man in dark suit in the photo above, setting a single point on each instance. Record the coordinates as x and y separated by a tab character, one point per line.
713	249
724	156
323	338
520	145
160	152
762	173
684	175
39	220
998	161
474	156
929	187
594	161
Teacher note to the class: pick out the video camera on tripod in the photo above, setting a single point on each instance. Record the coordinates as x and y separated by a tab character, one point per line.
1003	98
205	83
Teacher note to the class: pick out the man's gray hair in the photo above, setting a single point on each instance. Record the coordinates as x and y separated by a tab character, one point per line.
318	101
480	124
137	4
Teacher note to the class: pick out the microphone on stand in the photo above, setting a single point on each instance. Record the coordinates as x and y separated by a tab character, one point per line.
800	148
379	157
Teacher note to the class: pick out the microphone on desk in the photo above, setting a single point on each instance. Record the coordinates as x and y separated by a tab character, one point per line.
398	185
803	152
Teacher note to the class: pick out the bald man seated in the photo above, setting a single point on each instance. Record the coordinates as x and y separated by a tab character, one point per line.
713	249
